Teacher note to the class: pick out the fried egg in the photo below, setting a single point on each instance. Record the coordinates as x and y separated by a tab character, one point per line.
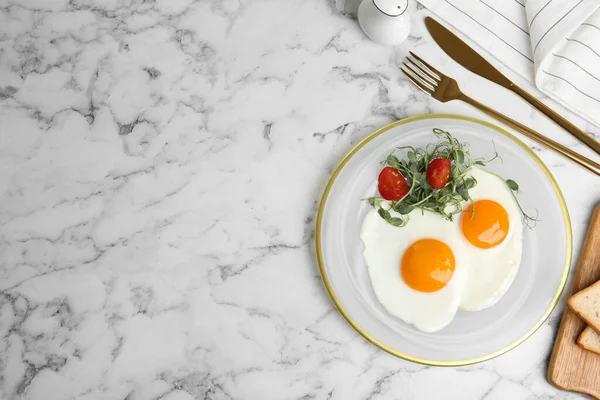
416	272
424	272
494	241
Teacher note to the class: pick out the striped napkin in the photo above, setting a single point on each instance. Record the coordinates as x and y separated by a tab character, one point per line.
553	43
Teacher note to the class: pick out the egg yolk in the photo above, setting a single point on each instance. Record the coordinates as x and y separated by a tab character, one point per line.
427	265
487	226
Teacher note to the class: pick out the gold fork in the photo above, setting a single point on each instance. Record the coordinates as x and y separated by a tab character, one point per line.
443	88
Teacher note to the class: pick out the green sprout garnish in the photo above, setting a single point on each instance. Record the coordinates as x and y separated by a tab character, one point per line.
446	201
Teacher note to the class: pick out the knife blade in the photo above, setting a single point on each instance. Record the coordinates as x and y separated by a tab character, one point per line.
460	52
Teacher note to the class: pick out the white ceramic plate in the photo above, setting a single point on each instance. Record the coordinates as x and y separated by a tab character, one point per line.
472	336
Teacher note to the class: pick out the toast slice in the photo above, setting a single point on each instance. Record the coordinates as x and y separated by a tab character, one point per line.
586	304
589	340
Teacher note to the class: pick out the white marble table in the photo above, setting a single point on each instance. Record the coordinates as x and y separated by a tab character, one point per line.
160	168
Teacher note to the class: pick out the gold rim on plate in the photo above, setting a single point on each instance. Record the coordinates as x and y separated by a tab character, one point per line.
363	332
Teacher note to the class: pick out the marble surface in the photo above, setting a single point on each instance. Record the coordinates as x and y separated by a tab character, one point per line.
160	168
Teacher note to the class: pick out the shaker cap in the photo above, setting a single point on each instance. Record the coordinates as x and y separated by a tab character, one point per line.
393	8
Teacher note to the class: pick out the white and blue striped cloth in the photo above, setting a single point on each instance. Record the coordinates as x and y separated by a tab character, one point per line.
553	43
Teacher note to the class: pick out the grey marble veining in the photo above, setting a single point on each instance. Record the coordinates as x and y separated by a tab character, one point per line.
160	168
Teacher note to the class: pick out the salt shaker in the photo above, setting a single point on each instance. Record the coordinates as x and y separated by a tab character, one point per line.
385	22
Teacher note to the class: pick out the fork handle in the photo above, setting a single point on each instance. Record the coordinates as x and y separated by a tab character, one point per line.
554	116
531	134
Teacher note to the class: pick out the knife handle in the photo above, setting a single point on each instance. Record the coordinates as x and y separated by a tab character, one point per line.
533	135
554	116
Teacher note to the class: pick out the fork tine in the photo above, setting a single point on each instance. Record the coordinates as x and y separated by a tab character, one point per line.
418	71
419	77
417	83
428	66
423	71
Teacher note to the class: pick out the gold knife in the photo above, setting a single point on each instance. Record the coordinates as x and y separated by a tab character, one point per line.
460	52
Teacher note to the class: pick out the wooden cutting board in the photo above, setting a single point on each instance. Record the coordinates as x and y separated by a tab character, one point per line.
571	367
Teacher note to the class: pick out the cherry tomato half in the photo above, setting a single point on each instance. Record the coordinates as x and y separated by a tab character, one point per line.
392	185
438	172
